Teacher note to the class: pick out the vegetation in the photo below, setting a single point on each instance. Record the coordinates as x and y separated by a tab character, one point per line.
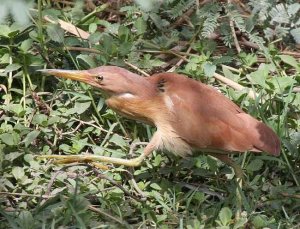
255	45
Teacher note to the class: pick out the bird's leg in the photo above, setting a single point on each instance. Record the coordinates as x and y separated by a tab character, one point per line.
152	145
239	177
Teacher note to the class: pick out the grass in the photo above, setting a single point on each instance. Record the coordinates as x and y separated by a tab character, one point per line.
43	115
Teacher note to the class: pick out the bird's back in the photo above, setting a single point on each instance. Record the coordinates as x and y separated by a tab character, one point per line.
204	118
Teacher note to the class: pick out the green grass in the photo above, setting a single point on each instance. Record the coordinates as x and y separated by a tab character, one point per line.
43	115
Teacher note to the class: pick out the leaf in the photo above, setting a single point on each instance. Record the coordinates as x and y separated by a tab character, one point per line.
88	60
259	221
118	140
18	172
293	9
260	76
95	37
16	108
12	67
281	83
225	216
11	139
140	25
79	108
209	69
25	219
26	45
92	28
228	74
55	32
290	60
240	223
77	146
31	137
155	186
296	34
255	165
40	119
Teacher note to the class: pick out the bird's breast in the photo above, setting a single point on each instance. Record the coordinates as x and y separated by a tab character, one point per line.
171	141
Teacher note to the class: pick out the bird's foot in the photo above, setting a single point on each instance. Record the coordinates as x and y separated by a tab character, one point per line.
93	159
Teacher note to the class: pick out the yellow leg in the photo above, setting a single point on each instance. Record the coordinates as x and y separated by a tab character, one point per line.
66	159
239	178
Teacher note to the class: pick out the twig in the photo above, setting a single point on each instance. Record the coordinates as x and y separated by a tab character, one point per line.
135	185
136	68
285	194
51	182
73	131
234	85
231	68
249	43
90	124
231	24
180	61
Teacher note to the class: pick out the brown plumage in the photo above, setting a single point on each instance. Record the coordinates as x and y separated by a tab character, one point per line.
188	114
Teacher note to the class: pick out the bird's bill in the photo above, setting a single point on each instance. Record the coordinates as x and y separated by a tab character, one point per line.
82	76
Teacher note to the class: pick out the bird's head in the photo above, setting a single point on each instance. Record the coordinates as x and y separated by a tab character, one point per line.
109	79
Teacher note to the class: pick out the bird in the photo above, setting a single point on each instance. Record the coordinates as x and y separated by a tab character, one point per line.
189	116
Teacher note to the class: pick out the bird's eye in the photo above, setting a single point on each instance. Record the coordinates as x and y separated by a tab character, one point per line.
99	77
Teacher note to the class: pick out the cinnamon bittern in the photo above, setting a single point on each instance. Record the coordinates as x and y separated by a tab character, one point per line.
189	115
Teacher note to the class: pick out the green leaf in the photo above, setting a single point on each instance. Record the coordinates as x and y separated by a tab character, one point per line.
228	74
11	139
240	223
140	25
155	186
281	83
31	137
18	172
16	108
77	146
118	140
225	216
209	69
12	67
40	119
55	32
255	165
88	60
260	76
95	37
79	108
92	27
26	45
25	219
290	60
259	221
296	34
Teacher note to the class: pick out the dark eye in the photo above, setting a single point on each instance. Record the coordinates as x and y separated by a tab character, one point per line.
99	77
